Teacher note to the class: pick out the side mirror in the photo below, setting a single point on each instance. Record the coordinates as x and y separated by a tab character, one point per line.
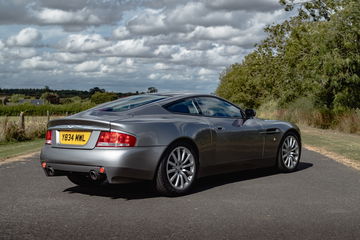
250	113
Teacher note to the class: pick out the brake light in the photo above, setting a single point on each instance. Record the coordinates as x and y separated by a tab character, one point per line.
48	137
115	139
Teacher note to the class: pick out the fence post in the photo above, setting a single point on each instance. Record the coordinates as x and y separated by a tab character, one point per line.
48	115
22	121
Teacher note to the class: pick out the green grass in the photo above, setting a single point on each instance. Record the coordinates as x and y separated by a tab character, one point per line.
8	150
347	145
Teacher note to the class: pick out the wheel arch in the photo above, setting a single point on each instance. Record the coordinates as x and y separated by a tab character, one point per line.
294	131
286	133
176	141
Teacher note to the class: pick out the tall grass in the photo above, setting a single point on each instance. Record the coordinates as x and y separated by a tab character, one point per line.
303	112
10	130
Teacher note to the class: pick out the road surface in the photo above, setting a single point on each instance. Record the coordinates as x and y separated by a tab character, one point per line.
320	201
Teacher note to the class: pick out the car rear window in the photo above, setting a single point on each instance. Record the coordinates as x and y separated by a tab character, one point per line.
186	106
131	102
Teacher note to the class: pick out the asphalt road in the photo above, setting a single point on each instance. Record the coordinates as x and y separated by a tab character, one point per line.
320	201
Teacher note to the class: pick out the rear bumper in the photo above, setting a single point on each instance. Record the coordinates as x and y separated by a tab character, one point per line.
138	163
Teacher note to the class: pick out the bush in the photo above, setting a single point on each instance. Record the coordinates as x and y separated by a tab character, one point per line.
303	111
102	97
12	132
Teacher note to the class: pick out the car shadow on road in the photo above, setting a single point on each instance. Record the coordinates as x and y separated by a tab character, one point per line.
223	179
143	190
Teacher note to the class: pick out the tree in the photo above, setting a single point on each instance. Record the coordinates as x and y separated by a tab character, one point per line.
95	90
152	90
15	98
50	97
314	54
102	97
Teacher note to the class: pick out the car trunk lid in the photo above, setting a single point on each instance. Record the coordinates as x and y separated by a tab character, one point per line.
77	133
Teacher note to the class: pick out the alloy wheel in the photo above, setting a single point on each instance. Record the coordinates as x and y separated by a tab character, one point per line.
180	168
290	152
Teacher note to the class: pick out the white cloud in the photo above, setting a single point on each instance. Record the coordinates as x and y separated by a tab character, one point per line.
26	37
121	33
83	43
161	66
88	66
58	16
214	33
70	15
160	76
37	63
129	48
140	24
21	52
253	5
2	45
121	45
166	50
206	71
68	57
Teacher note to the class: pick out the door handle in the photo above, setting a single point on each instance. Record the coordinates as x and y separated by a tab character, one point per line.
220	128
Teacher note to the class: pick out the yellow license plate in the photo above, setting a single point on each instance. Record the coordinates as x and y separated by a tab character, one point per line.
74	137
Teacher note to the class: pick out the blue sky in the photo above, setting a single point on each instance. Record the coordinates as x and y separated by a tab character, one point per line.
128	45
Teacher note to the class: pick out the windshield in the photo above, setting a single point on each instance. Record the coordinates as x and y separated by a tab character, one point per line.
131	102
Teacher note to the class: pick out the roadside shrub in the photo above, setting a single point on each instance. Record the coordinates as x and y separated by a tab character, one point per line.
302	111
348	122
12	132
268	110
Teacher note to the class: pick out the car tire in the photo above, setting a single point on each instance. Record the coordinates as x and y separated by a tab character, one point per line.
289	153
177	170
81	180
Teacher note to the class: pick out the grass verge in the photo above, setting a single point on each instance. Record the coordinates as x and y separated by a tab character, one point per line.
8	150
346	145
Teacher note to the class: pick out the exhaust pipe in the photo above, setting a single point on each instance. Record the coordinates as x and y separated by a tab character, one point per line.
94	175
50	171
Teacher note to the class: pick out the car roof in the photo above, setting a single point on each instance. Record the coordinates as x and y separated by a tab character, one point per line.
181	95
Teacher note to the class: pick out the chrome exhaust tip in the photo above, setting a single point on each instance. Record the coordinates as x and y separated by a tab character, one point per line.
94	175
50	171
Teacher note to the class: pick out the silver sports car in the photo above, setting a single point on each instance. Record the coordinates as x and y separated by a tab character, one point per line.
171	139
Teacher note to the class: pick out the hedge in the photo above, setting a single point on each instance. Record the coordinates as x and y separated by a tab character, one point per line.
41	110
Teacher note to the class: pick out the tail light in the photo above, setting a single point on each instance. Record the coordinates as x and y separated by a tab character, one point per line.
115	139
48	137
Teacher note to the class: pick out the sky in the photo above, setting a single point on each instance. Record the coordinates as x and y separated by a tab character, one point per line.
128	45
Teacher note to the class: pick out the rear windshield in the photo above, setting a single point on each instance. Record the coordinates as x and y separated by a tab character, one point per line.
131	102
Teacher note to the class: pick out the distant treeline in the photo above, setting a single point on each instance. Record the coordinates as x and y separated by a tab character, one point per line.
37	92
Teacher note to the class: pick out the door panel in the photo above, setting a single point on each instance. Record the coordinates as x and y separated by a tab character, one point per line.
237	142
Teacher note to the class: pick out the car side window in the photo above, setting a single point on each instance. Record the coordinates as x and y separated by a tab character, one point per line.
183	106
214	107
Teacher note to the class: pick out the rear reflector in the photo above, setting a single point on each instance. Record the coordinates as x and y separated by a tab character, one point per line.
48	137
115	139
